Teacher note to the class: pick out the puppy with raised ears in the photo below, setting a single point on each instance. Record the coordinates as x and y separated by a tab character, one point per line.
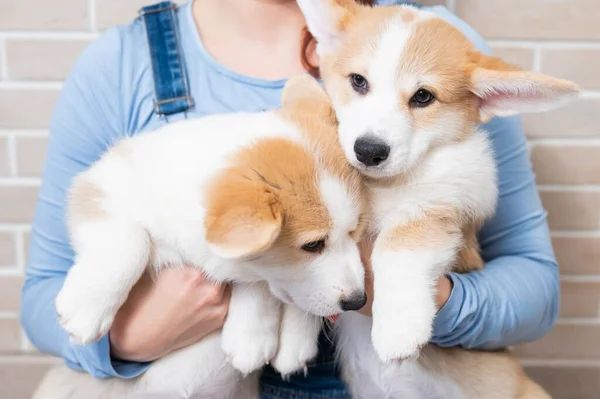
265	201
410	91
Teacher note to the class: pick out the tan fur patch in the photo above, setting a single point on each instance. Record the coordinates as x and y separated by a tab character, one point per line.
408	14
366	24
121	149
469	256
312	113
481	373
274	180
428	231
244	215
437	53
431	230
85	199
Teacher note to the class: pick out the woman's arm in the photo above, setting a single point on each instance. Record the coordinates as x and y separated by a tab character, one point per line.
180	309
86	121
515	298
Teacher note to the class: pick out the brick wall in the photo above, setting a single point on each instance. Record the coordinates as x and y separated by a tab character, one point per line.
40	40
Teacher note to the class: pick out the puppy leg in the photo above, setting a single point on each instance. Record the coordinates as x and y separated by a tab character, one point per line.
469	256
298	340
111	256
251	330
407	264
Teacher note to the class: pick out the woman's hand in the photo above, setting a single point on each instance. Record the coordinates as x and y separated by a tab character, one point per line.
444	286
177	309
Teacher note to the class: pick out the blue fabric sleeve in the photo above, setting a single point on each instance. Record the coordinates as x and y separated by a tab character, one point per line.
515	299
87	119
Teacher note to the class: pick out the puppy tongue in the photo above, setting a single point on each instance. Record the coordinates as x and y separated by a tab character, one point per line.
333	318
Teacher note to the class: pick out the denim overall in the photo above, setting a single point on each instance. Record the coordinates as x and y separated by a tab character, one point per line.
172	97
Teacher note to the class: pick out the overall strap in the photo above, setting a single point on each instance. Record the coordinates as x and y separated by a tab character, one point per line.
397	3
172	93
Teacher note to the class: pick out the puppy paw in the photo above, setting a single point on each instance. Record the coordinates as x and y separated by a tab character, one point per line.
296	349
85	312
249	351
402	337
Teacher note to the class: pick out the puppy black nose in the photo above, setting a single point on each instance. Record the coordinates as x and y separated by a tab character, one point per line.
370	150
354	301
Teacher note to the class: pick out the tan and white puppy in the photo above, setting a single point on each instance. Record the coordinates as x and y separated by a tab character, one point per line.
266	201
410	91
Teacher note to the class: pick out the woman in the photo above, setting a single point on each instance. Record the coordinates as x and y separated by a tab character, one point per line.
236	55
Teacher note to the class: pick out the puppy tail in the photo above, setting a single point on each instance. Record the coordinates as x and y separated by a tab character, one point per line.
531	390
61	382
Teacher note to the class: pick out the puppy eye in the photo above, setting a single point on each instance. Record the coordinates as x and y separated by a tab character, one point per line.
422	98
359	83
314	246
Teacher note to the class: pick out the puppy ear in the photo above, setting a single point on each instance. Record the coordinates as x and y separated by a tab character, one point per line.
243	216
326	20
303	89
506	89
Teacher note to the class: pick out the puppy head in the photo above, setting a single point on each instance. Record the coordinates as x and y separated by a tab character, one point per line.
291	217
403	81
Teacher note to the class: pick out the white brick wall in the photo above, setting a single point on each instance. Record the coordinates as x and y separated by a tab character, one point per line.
40	40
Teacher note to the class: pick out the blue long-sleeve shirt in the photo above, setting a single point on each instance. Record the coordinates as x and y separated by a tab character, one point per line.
109	95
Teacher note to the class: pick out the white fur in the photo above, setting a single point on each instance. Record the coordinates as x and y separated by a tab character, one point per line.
377	114
251	331
436	171
152	212
298	340
511	93
460	176
318	16
367	377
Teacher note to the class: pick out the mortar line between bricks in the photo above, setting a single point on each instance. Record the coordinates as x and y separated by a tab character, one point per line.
20	250
589	188
26	346
451	4
13	271
49	35
589	94
30	359
578	321
23	341
23	133
11	144
559	363
584	278
545	44
20	181
4	60
92	15
575	233
10	227
566	142
30	85
537	59
8	315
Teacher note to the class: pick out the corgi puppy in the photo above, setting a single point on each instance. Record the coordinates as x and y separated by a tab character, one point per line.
410	91
265	201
